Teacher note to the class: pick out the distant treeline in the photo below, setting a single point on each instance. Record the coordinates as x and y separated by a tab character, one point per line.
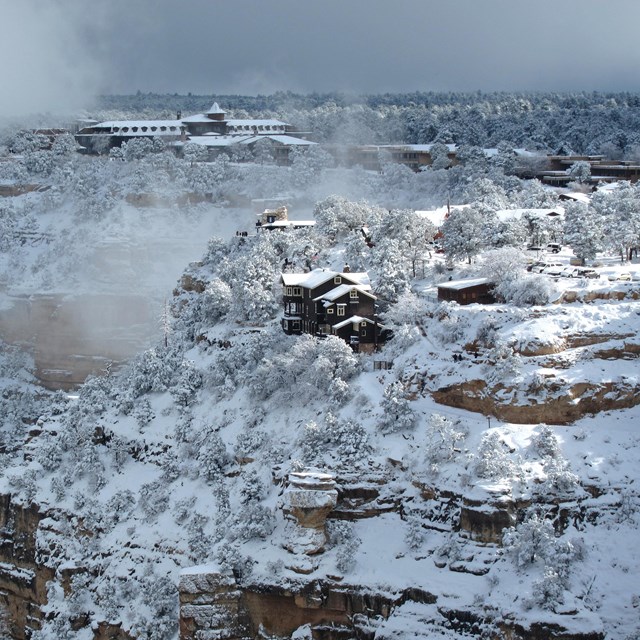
594	123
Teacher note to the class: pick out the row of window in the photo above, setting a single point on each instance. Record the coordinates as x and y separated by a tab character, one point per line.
145	129
249	127
293	291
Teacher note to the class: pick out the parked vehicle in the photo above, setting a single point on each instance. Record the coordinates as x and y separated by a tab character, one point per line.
625	277
570	272
555	271
588	273
540	267
554	247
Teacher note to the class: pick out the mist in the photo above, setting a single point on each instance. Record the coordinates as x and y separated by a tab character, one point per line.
48	65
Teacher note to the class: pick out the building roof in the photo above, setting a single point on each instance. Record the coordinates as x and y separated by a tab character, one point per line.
343	289
215	109
319	276
247	122
288	223
466	283
218	140
509	214
148	125
356	320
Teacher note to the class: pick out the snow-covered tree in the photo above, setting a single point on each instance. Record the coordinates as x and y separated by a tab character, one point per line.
580	171
397	412
583	230
463	232
494	461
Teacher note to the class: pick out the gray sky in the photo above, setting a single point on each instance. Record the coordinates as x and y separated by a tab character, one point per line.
58	53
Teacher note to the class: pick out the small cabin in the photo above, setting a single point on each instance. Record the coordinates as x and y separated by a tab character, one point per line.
467	291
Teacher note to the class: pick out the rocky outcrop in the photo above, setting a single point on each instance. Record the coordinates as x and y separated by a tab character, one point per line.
23	582
307	502
560	404
214	605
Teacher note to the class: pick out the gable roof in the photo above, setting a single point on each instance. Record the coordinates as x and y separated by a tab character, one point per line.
356	320
317	277
467	283
342	289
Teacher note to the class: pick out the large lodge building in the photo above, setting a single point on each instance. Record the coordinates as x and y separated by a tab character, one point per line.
235	136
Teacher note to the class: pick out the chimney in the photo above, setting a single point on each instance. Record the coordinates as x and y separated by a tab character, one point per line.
179	115
346	268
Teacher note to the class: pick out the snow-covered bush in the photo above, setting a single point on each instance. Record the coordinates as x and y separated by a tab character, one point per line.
414	534
494	461
216	300
153	499
451	327
397	412
527	291
346	439
211	454
487	334
534	541
545	443
502	364
560	480
342	536
442	439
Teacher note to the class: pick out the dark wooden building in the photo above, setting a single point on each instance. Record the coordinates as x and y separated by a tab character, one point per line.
325	302
467	291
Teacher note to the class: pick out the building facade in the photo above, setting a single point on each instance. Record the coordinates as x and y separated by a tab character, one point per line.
324	302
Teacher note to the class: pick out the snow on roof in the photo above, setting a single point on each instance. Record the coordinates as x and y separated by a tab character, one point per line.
319	276
221	141
215	109
218	140
198	117
466	283
578	196
256	123
289	223
438	216
119	124
342	289
290	140
418	147
509	214
356	320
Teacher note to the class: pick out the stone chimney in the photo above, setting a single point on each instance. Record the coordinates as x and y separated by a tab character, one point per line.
346	268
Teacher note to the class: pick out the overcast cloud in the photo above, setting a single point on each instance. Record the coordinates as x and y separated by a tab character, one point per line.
61	52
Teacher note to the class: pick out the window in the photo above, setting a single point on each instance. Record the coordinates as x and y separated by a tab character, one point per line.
295	325
337	280
363	324
353	294
363	332
341	309
297	291
330	310
288	291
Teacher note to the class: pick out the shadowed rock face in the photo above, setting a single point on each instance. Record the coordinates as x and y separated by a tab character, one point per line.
73	337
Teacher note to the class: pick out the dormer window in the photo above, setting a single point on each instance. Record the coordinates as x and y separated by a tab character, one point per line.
337	280
353	294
